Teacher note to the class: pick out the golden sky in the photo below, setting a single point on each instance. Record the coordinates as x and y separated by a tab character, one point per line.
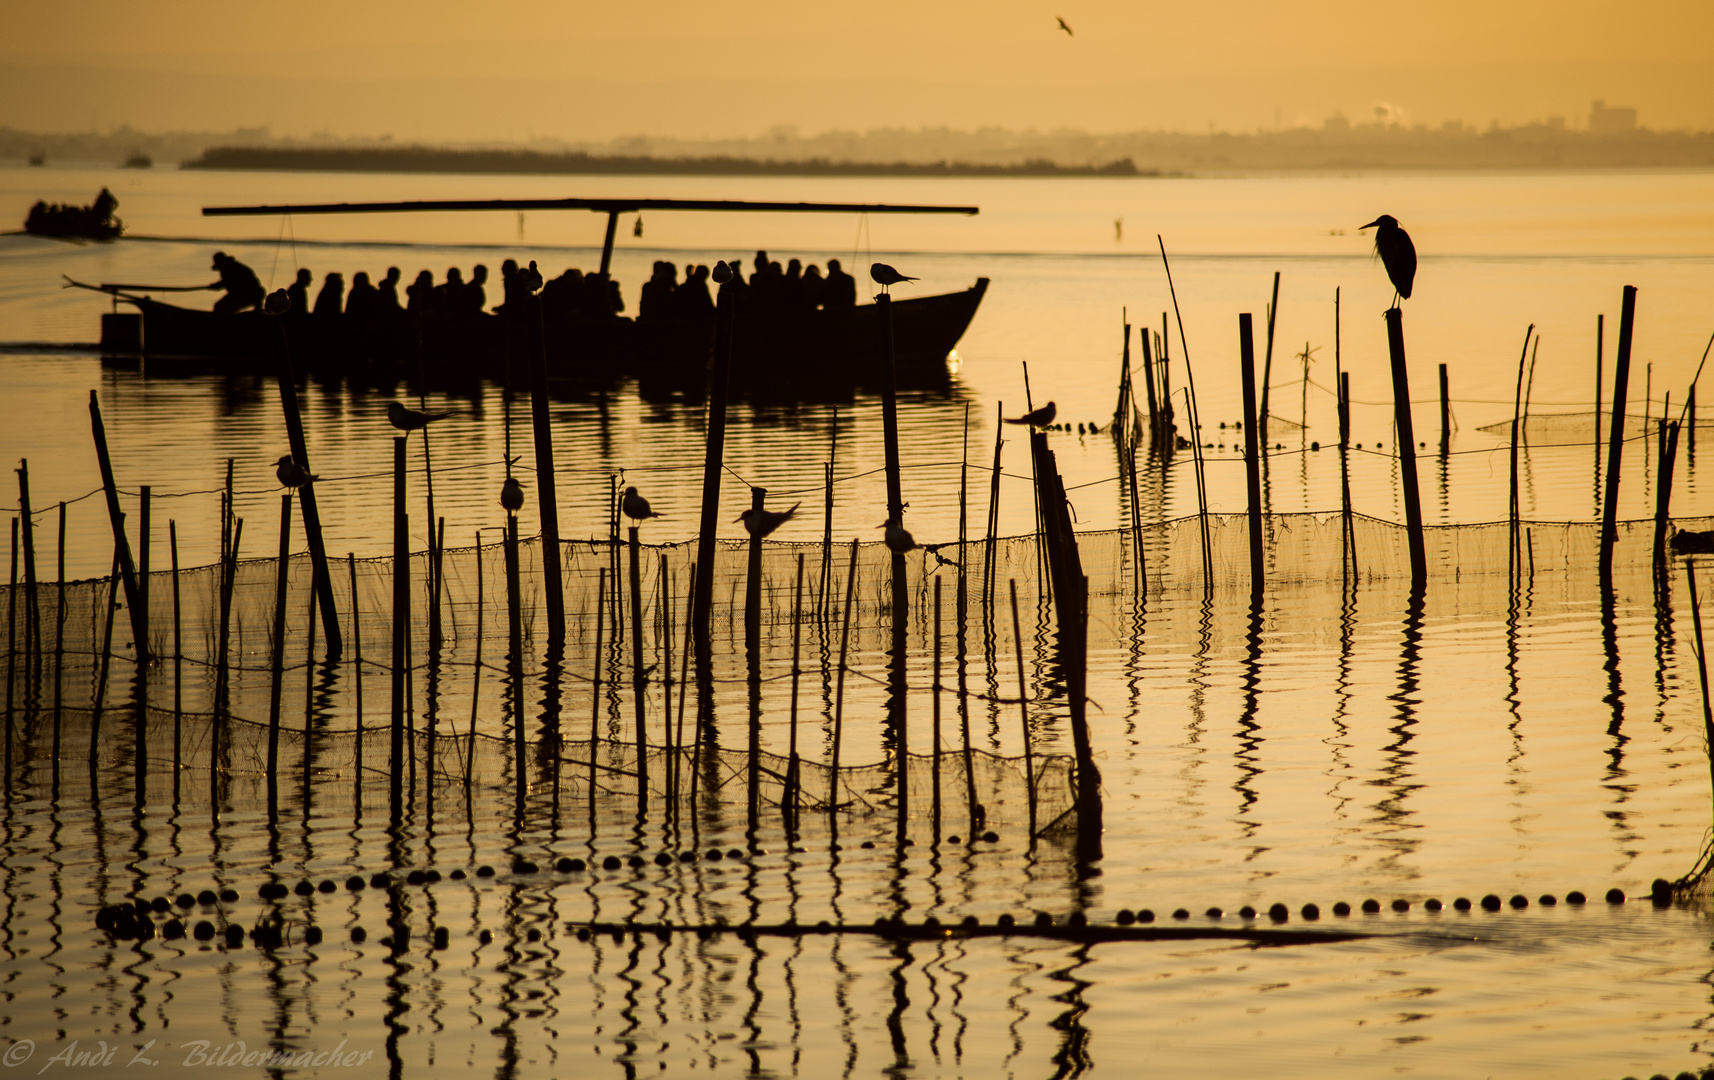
458	70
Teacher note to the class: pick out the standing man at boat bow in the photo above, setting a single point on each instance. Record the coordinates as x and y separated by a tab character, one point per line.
243	288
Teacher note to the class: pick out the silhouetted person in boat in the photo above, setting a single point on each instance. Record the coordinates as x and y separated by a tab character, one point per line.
1397	254
475	296
298	292
692	302
840	293
419	294
793	291
511	289
330	301
387	293
361	301
243	290
564	294
103	207
655	302
814	286
447	297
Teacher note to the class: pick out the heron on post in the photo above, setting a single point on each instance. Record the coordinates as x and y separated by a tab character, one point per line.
1397	254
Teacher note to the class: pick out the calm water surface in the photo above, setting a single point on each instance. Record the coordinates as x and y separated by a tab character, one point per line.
1510	742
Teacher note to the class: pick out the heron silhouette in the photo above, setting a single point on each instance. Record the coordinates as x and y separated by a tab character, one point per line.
1397	254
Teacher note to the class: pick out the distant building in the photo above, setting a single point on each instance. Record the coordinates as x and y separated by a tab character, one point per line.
1611	121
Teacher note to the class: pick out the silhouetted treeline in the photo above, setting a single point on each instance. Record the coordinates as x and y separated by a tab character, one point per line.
424	159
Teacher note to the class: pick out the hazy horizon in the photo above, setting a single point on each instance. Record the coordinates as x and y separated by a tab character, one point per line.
439	71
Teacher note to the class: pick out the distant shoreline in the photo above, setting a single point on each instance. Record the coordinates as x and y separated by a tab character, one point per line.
418	159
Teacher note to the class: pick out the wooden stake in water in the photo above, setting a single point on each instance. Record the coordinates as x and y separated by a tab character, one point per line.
1445	414
1616	437
1268	362
1663	492
935	692
547	499
401	629
357	671
1195	421
178	652
286	378
1252	447
639	677
59	654
1024	714
11	651
277	652
792	772
839	685
1406	448
122	546
32	607
515	663
1512	550
1701	662
1600	333
595	692
719	374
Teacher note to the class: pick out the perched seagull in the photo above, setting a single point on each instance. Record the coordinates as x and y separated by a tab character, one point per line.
898	540
635	506
410	419
290	474
512	495
1397	254
1064	27
761	523
884	275
1042	417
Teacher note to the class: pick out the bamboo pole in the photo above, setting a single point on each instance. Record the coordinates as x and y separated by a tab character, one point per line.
32	605
1407	448
1701	662
277	651
1445	414
116	519
515	663
59	653
719	375
547	499
639	676
1024	714
323	578
1512	509
839	685
934	691
595	691
1252	449
1616	434
1195	421
401	629
11	652
1600	333
792	771
357	670
1268	363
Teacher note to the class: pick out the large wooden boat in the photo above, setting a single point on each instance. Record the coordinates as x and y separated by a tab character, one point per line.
810	354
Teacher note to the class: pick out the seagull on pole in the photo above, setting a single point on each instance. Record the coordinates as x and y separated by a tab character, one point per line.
884	275
760	523
291	474
410	419
512	495
1041	417
636	507
1397	254
898	539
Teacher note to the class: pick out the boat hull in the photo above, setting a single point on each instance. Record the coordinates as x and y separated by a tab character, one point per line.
806	355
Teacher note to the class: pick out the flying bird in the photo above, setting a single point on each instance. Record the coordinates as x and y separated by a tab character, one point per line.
1397	254
884	275
291	474
512	495
898	539
635	506
760	523
1041	417
410	419
1064	27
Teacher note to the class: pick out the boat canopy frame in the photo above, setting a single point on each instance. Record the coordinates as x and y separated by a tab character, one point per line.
611	207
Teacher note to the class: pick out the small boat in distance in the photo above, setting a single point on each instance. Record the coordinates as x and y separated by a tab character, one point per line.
139	160
38	159
67	222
